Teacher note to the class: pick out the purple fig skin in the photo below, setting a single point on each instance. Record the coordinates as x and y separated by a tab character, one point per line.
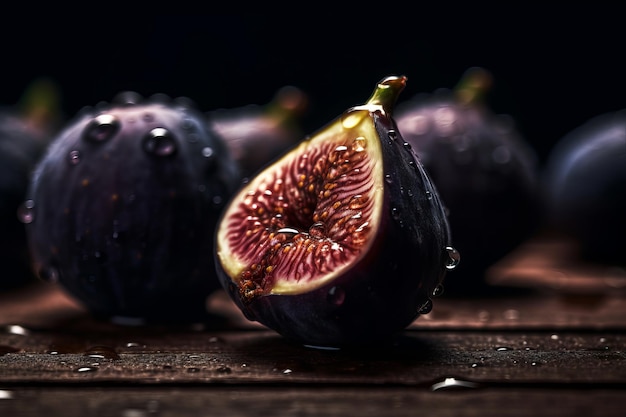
388	288
486	173
124	205
26	129
258	134
585	188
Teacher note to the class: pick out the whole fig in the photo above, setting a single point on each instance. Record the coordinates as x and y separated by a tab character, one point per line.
257	134
485	171
585	188
123	206
26	129
343	240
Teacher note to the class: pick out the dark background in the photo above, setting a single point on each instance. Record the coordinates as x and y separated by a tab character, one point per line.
555	66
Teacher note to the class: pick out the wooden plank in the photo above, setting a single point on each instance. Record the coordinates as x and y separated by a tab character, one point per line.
303	401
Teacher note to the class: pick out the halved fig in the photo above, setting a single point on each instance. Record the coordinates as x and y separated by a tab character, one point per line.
343	239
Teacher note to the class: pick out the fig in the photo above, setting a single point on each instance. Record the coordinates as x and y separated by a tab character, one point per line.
257	134
343	240
122	208
585	188
26	129
485	171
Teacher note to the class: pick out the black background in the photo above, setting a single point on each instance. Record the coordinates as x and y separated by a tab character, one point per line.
554	65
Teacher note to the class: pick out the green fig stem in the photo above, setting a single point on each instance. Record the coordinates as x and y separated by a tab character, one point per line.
473	86
387	92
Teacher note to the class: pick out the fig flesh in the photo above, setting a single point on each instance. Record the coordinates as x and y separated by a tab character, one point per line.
343	240
123	206
585	188
485	171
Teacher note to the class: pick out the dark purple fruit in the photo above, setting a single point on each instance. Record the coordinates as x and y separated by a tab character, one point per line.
122	208
585	188
26	129
255	134
341	241
485	172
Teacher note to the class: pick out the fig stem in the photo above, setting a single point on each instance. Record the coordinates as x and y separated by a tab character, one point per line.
387	92
473	85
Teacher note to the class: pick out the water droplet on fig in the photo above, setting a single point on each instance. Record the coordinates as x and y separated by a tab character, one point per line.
426	307
74	157
207	152
288	230
454	257
25	212
336	295
392	134
439	289
317	230
160	142
388	179
86	369
101	128
429	195
49	274
449	383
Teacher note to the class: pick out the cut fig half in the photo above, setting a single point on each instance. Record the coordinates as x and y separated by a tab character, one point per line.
345	226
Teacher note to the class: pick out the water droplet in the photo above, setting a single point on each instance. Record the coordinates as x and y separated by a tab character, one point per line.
16	329
392	134
74	157
85	369
426	307
407	145
317	230
5	394
207	152
160	142
49	274
454	257
101	128
449	383
336	295
511	314
287	371
25	212
503	348
102	352
554	337
388	179
288	230
429	195
439	289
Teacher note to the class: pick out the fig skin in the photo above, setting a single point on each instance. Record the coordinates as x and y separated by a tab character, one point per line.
585	188
389	284
26	129
124	207
258	134
487	174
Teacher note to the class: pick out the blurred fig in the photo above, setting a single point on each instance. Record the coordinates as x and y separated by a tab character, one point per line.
257	134
585	188
342	241
26	129
485	172
122	208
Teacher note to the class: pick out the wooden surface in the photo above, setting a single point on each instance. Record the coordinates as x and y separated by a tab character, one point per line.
549	339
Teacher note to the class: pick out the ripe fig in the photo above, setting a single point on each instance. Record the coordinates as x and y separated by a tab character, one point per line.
257	134
123	206
26	129
585	188
341	241
485	171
